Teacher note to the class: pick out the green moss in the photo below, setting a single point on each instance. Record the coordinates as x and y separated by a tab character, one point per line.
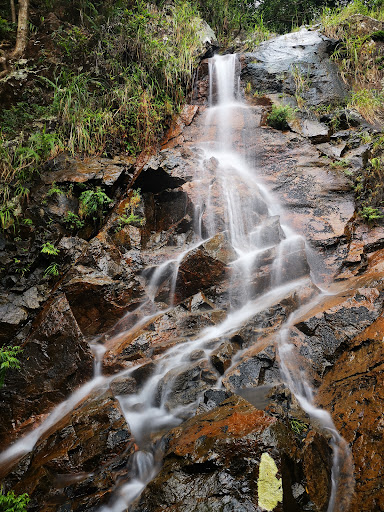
269	487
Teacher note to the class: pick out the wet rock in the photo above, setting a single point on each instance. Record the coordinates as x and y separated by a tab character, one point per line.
77	463
17	308
256	368
60	205
311	129
353	392
200	270
216	460
269	233
220	248
97	301
174	136
273	66
100	288
185	384
358	158
318	200
329	328
71	247
158	335
123	386
221	358
67	169
55	360
330	150
12	319
167	170
168	219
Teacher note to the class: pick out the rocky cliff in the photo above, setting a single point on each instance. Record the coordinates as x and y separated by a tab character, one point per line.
161	303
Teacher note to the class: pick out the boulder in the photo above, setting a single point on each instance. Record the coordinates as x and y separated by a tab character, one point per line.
100	288
257	367
97	301
202	267
16	309
278	64
167	170
106	171
327	330
312	129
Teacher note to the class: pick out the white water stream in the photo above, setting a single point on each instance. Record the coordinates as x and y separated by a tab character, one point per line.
238	204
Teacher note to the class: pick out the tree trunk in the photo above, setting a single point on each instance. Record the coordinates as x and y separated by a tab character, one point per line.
22	30
13	12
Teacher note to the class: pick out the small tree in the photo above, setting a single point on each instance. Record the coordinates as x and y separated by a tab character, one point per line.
22	30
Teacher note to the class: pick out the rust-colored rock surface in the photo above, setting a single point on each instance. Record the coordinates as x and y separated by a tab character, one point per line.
213	461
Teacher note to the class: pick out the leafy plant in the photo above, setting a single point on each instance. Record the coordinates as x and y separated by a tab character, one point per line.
27	222
72	221
8	360
54	190
93	203
370	214
343	163
50	249
130	217
298	426
52	270
11	502
279	116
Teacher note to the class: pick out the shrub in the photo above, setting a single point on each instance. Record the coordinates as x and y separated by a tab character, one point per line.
93	203
279	117
72	221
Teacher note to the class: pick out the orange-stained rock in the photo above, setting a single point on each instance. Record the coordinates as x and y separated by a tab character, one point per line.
354	393
212	460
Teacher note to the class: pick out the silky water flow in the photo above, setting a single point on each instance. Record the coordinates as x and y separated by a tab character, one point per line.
233	202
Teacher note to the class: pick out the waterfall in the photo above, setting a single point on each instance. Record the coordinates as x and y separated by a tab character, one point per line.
234	201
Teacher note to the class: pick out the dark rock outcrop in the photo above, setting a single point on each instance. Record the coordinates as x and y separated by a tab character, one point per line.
54	362
76	464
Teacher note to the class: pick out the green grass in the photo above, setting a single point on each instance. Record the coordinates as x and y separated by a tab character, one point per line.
358	56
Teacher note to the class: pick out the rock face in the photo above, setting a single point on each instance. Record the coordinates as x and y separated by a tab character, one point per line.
236	457
295	63
75	466
54	362
176	284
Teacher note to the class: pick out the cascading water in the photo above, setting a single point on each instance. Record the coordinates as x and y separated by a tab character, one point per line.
233	202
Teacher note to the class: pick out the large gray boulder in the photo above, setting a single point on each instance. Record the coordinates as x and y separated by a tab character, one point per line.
296	63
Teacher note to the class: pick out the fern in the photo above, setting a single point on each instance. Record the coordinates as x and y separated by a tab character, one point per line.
8	360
